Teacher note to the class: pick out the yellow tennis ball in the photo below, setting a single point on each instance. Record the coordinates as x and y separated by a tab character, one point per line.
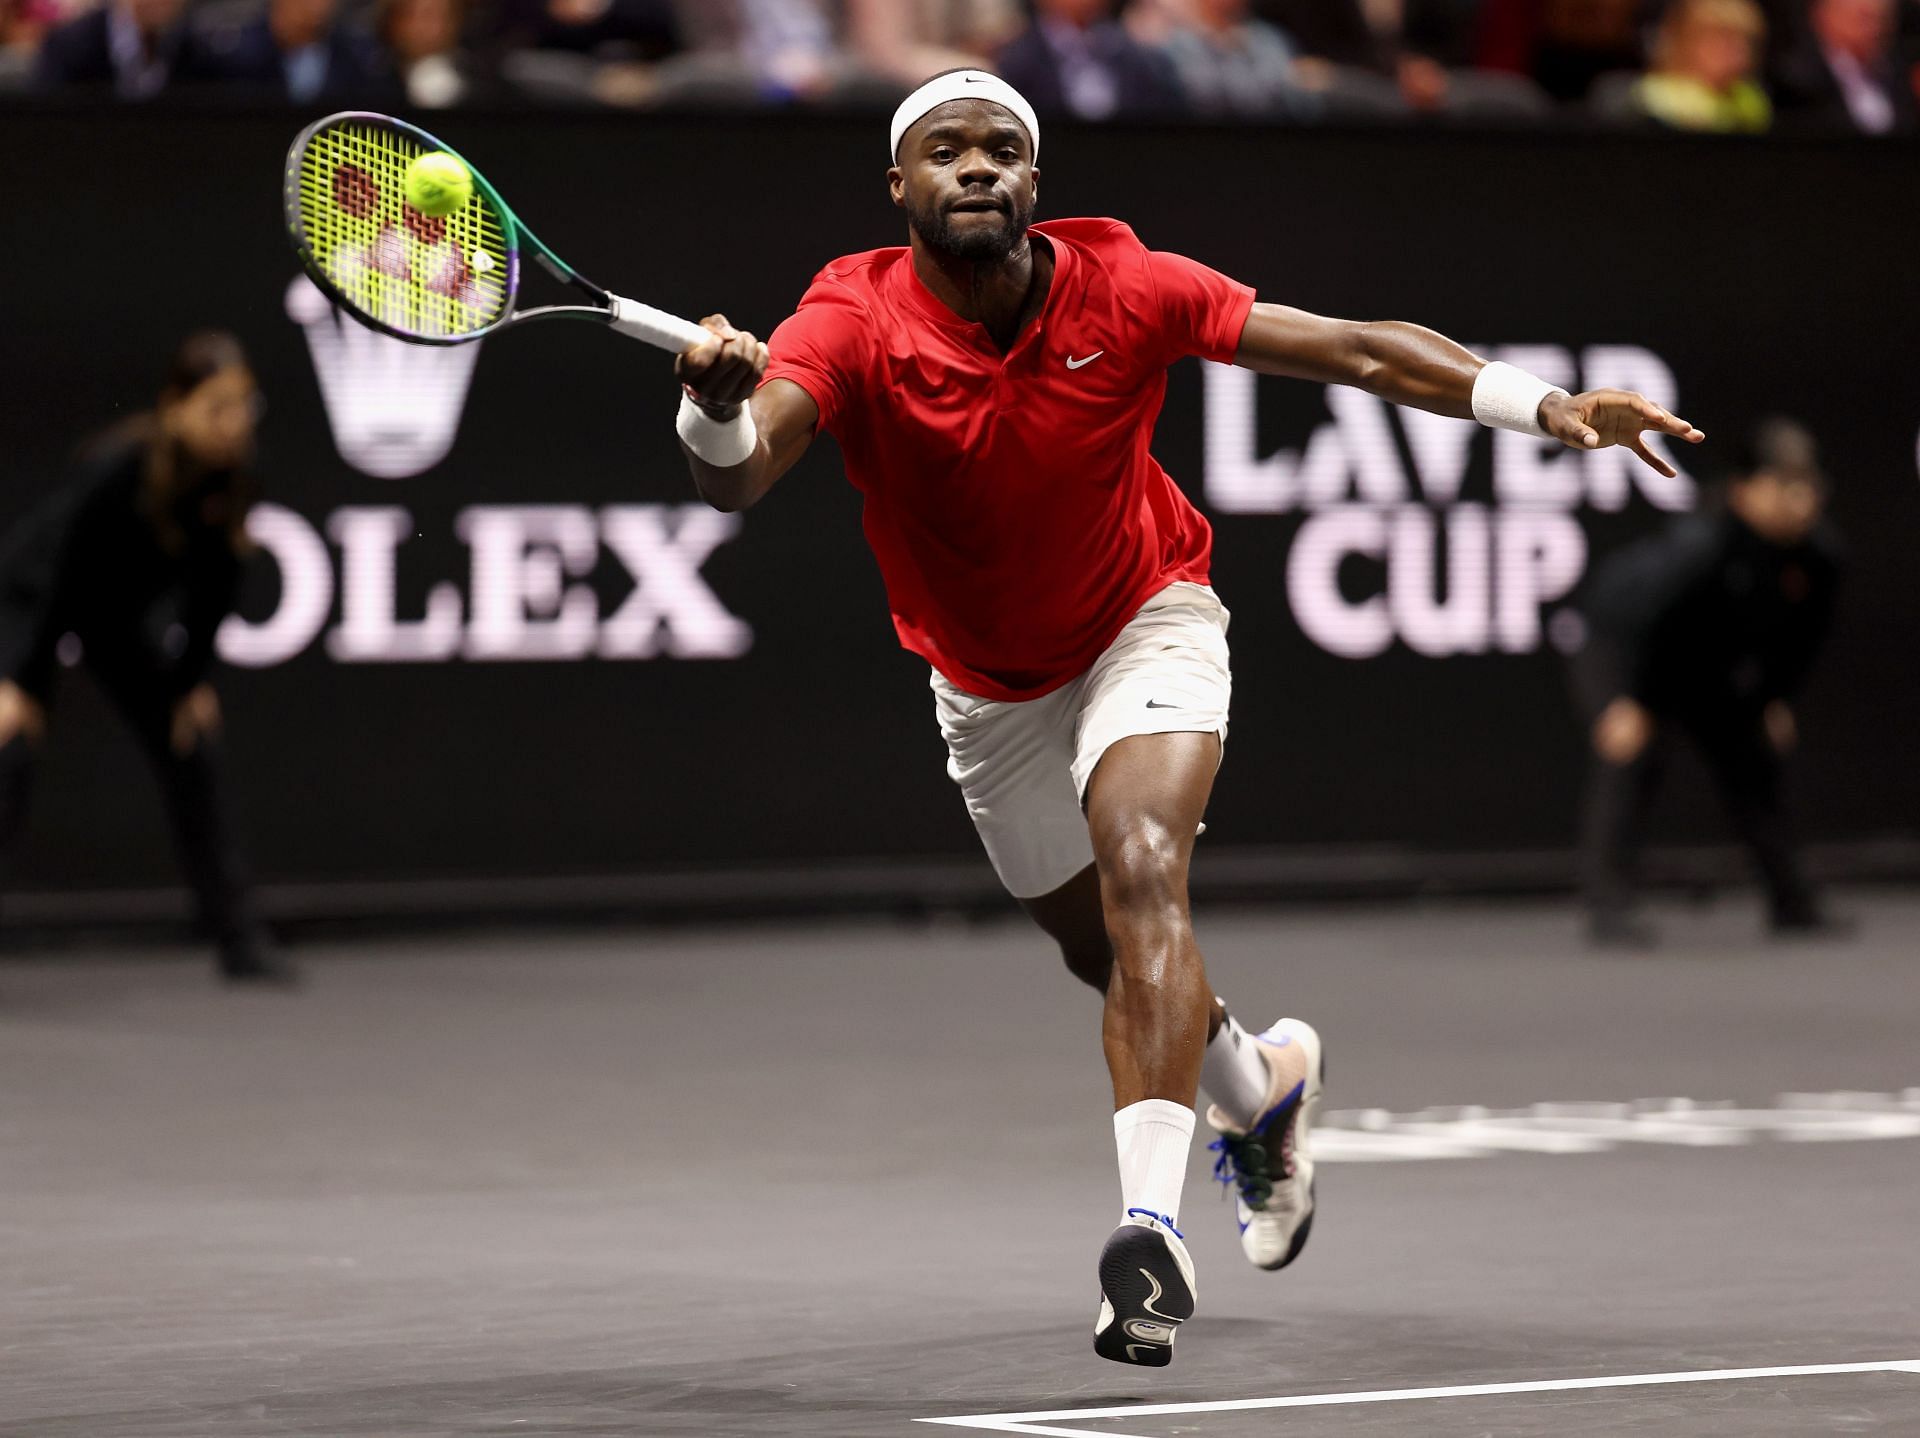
438	184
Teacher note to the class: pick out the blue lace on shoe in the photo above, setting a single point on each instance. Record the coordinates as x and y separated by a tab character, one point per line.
1159	1218
1246	1160
1242	1163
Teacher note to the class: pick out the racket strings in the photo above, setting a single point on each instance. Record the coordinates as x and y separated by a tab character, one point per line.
427	276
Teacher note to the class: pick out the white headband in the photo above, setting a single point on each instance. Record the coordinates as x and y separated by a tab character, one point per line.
964	85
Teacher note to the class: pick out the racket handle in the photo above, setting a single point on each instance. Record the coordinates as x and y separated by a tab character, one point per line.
656	327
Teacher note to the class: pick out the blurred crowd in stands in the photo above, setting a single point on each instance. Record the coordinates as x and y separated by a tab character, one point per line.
1715	65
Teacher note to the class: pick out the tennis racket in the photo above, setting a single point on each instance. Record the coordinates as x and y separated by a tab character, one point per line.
433	281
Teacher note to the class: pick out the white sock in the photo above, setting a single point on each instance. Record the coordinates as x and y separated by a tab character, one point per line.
1234	1073
1153	1136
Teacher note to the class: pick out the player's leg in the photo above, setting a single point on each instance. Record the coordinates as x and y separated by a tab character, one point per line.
1014	764
1234	1071
1152	725
1162	690
1021	768
1144	806
1143	810
1072	917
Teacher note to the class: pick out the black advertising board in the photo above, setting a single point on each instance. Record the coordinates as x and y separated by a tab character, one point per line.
494	636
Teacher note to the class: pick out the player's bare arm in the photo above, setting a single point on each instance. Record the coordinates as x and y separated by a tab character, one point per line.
1410	365
720	377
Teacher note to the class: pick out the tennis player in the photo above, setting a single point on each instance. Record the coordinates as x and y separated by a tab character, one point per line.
993	385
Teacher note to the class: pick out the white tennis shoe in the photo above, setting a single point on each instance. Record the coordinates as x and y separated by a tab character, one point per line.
1269	1163
1146	1291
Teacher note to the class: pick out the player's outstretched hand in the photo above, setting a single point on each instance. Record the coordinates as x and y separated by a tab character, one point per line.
1601	417
726	369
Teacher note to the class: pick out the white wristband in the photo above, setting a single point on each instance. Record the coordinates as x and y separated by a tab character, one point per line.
1508	398
722	443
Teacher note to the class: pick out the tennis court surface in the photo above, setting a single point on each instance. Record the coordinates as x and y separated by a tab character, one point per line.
840	1178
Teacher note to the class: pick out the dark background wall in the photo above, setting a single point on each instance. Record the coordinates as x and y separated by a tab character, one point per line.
1763	276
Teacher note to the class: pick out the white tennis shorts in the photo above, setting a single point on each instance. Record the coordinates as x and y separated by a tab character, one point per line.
1023	767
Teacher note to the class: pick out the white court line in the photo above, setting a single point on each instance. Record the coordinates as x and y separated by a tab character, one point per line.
1033	1423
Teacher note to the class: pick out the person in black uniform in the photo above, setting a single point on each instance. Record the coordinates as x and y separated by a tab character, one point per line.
1708	630
139	559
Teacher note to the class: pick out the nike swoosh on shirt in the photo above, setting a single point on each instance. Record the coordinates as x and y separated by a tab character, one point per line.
1073	363
1156	704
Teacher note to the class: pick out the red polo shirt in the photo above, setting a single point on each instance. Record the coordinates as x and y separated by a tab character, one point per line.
1018	519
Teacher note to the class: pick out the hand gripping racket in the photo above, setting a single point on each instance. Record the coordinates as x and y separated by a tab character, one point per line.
433	281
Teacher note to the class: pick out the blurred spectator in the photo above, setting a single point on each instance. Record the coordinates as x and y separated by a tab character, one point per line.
607	29
1708	630
1151	23
422	41
1428	46
1442	30
297	50
1705	64
1565	45
1337	31
785	49
1424	44
1076	59
1231	64
131	569
1392	57
789	44
1848	75
132	47
1370	34
22	24
747	52
575	51
908	40
1838	64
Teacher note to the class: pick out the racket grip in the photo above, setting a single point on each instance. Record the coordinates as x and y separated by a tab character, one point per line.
656	327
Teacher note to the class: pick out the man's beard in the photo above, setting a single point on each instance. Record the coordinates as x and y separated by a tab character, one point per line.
977	244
